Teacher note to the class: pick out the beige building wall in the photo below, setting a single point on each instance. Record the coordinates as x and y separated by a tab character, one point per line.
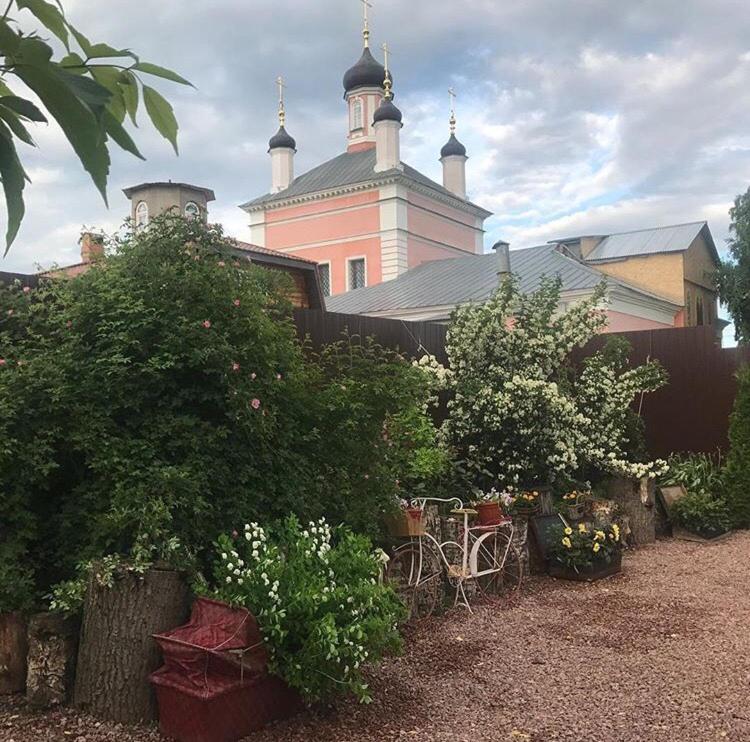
659	274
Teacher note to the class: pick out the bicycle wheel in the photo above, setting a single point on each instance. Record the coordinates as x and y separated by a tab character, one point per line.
416	576
500	560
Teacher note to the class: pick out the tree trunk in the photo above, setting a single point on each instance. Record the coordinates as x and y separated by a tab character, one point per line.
636	498
53	641
13	650
117	652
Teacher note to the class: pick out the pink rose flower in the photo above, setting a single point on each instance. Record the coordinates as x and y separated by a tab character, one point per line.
26	289
235	366
278	377
69	323
2	361
252	375
221	264
10	312
236	302
207	323
255	404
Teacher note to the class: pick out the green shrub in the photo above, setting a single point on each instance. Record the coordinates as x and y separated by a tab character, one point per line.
584	546
162	395
700	473
737	472
318	600
702	513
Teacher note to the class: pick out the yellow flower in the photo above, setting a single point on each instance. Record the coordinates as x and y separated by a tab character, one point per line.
582	528
566	543
568	531
599	535
596	547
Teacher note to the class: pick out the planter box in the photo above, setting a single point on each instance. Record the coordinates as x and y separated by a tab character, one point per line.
684	535
404	525
587	574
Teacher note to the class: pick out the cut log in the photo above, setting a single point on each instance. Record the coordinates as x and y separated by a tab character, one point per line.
13	650
53	641
636	499
117	652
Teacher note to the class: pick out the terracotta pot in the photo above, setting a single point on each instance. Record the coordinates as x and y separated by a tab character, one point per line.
489	513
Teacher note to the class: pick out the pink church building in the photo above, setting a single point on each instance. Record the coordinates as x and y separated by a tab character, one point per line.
365	216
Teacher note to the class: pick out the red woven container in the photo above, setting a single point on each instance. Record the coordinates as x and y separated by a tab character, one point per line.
489	513
214	685
193	715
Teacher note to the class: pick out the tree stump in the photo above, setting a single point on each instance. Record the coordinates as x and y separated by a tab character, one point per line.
13	650
117	653
53	640
636	498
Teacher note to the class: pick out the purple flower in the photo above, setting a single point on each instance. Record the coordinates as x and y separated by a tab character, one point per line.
255	403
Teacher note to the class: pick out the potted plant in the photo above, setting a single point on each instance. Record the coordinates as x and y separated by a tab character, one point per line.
525	504
490	505
574	503
407	521
585	553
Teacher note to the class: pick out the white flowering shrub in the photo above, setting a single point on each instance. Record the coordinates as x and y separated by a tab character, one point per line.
318	600
514	414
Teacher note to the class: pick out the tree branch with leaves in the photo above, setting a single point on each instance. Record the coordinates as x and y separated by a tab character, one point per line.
88	92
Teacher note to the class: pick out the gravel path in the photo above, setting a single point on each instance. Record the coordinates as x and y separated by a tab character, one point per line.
659	653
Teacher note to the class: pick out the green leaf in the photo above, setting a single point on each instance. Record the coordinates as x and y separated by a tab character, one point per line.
97	51
49	15
161	114
9	39
154	69
23	107
32	51
115	130
79	117
14	179
14	123
73	63
83	42
129	90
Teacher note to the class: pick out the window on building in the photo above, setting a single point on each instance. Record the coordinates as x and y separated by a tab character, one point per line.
324	271
357	273
699	310
192	210
141	215
689	308
357	114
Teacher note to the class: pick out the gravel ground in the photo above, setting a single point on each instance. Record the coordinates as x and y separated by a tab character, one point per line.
659	653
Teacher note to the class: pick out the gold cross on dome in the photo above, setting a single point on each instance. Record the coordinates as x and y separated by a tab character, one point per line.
366	24
452	100
281	85
387	80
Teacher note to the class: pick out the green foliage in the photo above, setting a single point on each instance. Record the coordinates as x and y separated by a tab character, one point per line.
87	97
318	599
584	546
702	513
698	473
162	395
737	470
734	273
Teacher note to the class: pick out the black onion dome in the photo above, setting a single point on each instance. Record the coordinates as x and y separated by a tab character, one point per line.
282	138
387	111
368	72
453	147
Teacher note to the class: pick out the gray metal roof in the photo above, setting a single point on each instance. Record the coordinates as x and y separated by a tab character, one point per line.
467	279
675	238
348	168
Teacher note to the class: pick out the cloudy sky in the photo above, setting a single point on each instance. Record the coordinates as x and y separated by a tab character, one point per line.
578	116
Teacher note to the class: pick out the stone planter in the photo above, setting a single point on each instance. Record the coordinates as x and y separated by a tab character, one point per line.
13	651
596	571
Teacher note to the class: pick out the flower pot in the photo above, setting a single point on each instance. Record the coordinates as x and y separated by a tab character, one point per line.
595	571
406	523
489	513
526	511
575	512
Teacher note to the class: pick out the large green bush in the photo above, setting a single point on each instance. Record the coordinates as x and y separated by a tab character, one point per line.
163	395
737	472
702	513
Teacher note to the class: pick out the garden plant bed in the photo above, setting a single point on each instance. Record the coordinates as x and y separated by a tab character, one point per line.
685	535
660	648
587	574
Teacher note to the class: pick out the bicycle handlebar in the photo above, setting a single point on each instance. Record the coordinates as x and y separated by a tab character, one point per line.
421	501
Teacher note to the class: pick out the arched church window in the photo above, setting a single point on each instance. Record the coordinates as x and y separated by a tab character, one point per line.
357	116
141	215
192	210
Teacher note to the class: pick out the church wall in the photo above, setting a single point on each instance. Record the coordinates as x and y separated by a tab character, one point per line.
419	251
441	223
321	206
621	322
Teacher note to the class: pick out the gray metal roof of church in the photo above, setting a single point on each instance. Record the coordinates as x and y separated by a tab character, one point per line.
348	168
655	241
466	279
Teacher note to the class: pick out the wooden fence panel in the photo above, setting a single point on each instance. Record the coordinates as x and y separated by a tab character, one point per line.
691	413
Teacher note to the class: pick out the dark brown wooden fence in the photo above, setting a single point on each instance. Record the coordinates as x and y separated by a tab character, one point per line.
691	413
413	339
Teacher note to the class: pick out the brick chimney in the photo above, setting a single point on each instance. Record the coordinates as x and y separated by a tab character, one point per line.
92	246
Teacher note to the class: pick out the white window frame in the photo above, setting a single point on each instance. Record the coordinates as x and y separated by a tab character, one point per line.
327	263
138	223
358	114
350	260
197	214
